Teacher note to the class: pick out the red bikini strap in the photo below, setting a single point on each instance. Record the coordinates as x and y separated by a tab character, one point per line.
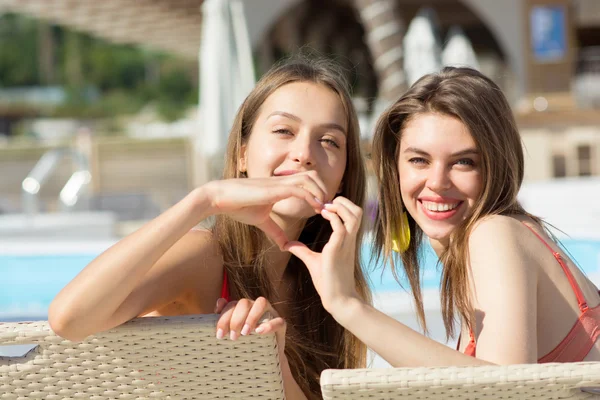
576	289
225	287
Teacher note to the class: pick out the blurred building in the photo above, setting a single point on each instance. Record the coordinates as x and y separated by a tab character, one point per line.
545	54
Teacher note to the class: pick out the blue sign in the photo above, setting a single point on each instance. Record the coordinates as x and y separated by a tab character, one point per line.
548	33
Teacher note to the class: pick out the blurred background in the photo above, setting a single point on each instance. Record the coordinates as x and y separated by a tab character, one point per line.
111	111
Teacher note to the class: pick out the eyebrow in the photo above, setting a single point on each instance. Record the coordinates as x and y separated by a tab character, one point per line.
461	153
328	125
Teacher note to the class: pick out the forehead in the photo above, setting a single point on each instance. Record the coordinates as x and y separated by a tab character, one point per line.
311	102
436	131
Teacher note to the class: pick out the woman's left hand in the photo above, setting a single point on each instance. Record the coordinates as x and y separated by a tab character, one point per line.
332	270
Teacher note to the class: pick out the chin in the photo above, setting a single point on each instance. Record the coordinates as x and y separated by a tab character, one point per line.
293	208
438	234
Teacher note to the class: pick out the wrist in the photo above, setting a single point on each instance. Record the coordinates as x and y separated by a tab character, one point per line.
201	203
345	309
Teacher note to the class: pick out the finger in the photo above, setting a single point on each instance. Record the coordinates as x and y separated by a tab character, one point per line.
301	251
224	320
221	303
351	222
238	318
259	308
274	232
286	191
339	230
228	306
356	210
270	326
313	183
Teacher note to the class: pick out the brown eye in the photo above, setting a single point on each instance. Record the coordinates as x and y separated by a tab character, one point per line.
417	160
466	161
330	142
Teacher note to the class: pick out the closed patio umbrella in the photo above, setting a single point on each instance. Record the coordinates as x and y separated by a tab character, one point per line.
226	77
421	45
458	51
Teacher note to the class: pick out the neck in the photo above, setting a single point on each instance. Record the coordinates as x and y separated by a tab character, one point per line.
439	245
276	259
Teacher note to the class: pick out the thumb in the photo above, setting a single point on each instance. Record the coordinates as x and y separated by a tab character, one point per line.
301	251
274	232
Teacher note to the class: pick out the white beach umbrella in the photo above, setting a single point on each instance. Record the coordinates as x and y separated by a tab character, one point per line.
226	78
458	51
422	46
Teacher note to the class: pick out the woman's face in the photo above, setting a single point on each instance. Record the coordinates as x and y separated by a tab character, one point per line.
301	126
440	173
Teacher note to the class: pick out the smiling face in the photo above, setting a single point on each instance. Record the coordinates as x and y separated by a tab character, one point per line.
439	168
300	127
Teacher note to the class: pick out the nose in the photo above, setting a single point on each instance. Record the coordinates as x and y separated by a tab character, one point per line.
438	178
302	151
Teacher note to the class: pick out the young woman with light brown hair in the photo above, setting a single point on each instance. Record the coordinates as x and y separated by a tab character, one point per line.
294	147
449	161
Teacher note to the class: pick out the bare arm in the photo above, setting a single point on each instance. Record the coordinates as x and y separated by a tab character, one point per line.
108	291
504	286
504	283
155	266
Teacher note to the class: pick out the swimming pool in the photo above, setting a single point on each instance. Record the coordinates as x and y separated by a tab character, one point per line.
31	275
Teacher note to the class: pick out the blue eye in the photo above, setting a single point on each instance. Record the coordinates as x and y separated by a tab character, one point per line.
283	131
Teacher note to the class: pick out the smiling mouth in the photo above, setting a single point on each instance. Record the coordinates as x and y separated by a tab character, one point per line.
440	207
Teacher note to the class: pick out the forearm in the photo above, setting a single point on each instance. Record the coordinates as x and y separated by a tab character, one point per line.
89	300
395	342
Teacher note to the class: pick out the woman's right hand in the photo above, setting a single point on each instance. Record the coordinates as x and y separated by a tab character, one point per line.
250	200
332	270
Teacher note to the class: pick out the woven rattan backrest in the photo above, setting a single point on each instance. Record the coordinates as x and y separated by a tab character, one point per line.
523	382
146	358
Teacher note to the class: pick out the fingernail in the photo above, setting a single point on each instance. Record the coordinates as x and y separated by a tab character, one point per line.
245	330
233	335
220	333
318	201
260	329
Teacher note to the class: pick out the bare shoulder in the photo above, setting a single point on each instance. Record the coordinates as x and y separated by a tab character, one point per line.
188	277
497	227
501	241
200	248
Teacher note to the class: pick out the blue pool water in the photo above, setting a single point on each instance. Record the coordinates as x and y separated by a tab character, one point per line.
29	282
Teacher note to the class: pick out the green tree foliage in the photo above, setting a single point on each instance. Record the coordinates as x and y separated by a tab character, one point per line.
18	51
101	79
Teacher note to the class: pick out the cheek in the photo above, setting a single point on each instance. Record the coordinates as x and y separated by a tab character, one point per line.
334	173
473	186
261	159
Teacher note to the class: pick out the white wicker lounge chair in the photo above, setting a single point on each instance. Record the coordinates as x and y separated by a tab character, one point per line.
530	381
146	358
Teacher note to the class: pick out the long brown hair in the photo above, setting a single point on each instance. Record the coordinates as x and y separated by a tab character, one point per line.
476	101
315	341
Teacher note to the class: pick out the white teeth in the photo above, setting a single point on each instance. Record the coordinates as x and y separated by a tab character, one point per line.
431	206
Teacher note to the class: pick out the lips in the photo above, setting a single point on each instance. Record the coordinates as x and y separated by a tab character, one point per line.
440	209
286	173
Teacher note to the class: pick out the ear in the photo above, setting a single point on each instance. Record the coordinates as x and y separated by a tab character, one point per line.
242	160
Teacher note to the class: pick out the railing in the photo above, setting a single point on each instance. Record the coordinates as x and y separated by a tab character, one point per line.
73	191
